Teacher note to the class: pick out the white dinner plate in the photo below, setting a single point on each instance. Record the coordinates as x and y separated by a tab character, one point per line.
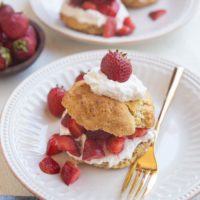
26	126
178	13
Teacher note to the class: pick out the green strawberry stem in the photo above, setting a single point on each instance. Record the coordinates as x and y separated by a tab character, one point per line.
20	45
5	54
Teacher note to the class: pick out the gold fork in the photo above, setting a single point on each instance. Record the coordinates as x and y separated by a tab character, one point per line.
142	173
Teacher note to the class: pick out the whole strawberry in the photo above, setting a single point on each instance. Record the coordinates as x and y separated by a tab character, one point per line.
31	33
116	66
15	25
5	11
54	100
5	58
24	48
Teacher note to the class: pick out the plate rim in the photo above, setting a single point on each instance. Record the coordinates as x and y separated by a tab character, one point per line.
193	7
189	75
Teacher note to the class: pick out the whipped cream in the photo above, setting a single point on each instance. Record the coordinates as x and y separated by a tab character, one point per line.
132	89
114	159
93	17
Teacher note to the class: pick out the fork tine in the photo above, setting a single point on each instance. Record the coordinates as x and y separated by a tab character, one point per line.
143	185
128	178
134	185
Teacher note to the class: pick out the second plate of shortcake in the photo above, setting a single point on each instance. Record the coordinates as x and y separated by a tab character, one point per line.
113	22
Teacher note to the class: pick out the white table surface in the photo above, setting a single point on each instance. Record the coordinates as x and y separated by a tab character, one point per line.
182	47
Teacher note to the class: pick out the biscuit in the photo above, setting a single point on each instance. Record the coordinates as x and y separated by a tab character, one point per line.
72	23
95	112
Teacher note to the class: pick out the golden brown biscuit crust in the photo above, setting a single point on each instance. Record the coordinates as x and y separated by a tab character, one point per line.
95	112
138	3
82	27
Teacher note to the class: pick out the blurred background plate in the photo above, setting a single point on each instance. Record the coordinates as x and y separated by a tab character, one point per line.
26	126
178	13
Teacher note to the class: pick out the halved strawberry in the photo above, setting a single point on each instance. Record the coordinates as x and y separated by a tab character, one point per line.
70	173
52	146
92	150
89	5
109	8
67	143
75	129
109	28
115	144
157	14
128	22
49	166
139	132
125	30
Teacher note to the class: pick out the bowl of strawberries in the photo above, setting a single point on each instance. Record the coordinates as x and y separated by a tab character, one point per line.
21	41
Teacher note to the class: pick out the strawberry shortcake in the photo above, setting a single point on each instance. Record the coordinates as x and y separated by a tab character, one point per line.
108	115
98	17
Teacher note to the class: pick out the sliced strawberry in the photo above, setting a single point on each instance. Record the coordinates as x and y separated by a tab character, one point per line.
139	132
52	146
115	144
92	150
67	143
49	166
128	22
75	129
65	120
80	77
125	30
89	5
109	8
157	14
97	135
109	28
70	173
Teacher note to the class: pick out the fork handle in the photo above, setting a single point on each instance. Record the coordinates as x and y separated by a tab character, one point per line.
175	80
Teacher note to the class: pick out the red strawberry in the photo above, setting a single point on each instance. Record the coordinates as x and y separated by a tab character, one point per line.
109	28
89	5
54	100
125	30
97	135
115	144
67	143
116	66
157	14
139	132
49	166
5	11
75	129
52	146
15	26
31	33
5	58
92	150
80	77
109	8
23	48
128	22
70	173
